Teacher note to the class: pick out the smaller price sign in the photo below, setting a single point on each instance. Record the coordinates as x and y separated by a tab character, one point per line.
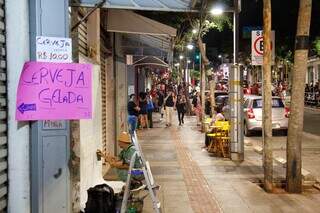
53	49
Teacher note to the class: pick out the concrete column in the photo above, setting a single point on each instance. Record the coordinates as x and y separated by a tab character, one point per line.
17	40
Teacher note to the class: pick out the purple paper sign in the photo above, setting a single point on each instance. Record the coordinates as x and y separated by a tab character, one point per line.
54	91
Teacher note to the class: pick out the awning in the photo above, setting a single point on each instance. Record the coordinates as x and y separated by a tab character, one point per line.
155	5
150	60
125	21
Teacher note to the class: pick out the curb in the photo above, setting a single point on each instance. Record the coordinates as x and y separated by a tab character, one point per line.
311	136
312	109
306	175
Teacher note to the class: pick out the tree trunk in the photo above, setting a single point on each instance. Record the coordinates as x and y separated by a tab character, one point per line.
212	99
294	178
203	63
267	98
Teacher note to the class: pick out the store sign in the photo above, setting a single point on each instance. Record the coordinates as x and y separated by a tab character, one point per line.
53	49
54	91
257	47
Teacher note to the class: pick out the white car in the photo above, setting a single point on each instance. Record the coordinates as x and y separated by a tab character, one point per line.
253	114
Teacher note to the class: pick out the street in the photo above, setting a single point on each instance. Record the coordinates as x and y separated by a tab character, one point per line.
312	121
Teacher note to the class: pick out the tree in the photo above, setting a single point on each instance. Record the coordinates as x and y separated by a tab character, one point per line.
202	21
293	171
317	46
267	98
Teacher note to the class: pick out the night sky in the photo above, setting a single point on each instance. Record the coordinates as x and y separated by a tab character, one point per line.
284	21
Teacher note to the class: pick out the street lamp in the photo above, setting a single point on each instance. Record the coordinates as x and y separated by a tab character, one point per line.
217	11
190	47
220	56
235	91
181	57
194	31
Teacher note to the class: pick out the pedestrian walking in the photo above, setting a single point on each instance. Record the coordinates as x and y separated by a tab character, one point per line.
181	108
143	116
196	105
133	113
169	103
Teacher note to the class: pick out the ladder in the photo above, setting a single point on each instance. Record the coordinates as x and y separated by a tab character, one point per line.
145	167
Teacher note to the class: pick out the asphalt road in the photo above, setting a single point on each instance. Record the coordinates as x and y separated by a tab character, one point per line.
312	121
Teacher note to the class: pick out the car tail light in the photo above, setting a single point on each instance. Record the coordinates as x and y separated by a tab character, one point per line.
286	112
250	113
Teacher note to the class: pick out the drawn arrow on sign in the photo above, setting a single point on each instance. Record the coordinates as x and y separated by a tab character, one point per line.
27	107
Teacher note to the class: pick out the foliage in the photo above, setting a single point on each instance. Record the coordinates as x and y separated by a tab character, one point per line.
195	74
203	21
175	73
317	46
202	25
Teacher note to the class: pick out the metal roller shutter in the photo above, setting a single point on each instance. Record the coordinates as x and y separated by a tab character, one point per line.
103	58
3	115
83	36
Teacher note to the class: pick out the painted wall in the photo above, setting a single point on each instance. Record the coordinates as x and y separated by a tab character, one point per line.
91	140
17	29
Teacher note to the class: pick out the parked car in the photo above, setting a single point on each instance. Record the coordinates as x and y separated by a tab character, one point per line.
253	114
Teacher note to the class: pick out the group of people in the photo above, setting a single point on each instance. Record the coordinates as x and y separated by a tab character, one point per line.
174	102
278	89
312	94
165	101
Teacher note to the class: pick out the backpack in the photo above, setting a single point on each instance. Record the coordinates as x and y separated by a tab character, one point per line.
101	199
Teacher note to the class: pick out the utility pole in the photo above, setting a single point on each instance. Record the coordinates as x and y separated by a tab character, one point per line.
236	94
267	99
203	87
294	177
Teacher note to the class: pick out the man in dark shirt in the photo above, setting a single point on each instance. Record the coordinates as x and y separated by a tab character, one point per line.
133	113
160	102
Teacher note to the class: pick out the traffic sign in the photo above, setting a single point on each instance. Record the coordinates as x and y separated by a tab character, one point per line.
257	47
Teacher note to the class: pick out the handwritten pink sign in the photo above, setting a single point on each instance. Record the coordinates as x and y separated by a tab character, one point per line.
54	91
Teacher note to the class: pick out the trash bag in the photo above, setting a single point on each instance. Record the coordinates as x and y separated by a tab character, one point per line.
101	199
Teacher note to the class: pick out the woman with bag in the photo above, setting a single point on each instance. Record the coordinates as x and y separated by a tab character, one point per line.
181	108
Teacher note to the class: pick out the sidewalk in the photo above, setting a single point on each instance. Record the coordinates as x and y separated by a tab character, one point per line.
193	181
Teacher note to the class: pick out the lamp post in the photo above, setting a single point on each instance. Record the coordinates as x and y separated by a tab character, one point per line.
220	56
235	91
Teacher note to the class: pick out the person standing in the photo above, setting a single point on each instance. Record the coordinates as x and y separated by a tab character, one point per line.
196	104
160	102
143	117
169	103
150	108
133	113
181	108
